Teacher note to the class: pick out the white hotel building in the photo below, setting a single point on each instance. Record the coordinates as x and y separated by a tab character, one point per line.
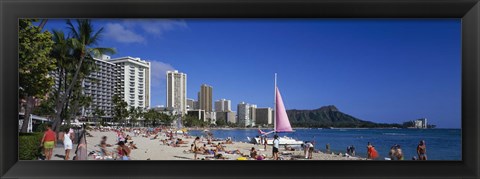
133	82
100	87
177	91
223	105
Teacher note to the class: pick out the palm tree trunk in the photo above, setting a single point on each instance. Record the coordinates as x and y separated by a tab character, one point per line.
67	115
42	23
58	119
59	88
28	111
74	110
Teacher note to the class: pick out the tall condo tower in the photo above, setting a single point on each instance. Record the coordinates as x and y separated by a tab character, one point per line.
223	105
133	82
177	91
205	98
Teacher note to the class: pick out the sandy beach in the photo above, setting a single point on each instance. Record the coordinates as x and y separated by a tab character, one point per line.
154	149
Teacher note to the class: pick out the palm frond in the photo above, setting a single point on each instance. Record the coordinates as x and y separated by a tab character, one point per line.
96	37
97	52
72	29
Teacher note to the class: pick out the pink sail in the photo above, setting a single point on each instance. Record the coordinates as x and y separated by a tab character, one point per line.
282	122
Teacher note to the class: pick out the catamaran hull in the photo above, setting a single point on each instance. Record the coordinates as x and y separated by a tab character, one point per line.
282	140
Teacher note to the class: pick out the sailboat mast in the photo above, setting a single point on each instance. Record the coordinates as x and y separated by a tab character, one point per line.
275	105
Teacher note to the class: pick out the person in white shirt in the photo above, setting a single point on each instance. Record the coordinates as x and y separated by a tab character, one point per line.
310	150
276	144
67	143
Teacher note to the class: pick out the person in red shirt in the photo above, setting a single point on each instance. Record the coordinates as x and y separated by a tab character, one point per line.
49	141
371	152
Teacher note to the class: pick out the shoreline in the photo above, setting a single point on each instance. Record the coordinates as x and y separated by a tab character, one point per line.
263	128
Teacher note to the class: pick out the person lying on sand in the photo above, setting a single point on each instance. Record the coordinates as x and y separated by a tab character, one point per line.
220	156
201	150
180	141
288	148
174	144
233	152
209	152
216	156
131	145
164	141
261	157
156	136
253	153
220	147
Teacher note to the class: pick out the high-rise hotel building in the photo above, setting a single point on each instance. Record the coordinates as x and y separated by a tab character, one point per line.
100	86
177	91
223	105
133	82
263	116
205	98
126	76
243	114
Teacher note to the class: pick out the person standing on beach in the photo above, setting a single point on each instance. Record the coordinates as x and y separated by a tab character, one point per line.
265	143
310	150
422	150
392	152
49	141
276	144
371	152
352	150
67	143
195	147
304	146
327	147
71	132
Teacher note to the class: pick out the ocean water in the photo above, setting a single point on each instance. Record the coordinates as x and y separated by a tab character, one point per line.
442	144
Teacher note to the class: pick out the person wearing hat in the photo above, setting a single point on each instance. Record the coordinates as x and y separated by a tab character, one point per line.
276	144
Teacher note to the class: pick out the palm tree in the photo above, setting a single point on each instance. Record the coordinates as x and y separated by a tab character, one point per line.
62	52
98	114
83	41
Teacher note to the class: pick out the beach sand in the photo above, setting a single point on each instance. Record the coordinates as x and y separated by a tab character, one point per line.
154	149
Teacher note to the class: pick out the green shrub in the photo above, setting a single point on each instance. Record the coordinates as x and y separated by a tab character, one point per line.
41	128
29	144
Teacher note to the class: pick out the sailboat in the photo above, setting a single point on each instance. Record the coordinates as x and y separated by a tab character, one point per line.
281	122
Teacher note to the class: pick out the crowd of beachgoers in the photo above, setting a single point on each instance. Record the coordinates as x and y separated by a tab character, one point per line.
162	143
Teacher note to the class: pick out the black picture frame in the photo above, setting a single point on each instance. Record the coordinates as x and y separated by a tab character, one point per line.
467	10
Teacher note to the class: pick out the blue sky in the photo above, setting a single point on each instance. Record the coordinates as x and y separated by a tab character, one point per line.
381	70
